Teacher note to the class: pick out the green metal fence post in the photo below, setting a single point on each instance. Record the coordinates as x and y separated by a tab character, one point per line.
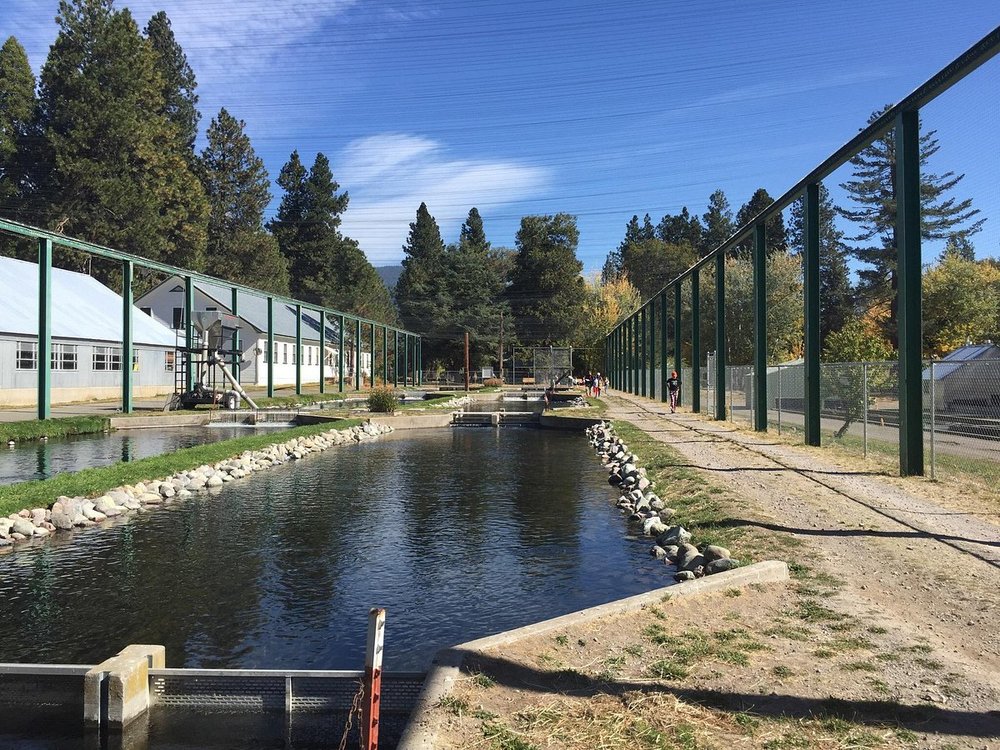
127	272
395	358
911	426
630	349
420	360
406	358
272	354
652	348
236	357
44	354
371	368
340	354
720	336
640	371
678	335
357	355
695	342
760	328
637	350
811	353
189	330
322	351
663	346
298	350
385	355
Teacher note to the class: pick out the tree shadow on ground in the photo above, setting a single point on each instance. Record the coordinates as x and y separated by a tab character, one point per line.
875	533
572	683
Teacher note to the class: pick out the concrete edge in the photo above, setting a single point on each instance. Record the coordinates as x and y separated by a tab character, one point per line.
164	420
446	667
568	422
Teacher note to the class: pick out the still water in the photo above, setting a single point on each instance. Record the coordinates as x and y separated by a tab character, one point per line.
458	533
38	459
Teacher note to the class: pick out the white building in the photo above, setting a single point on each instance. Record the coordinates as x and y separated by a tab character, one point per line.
166	304
86	340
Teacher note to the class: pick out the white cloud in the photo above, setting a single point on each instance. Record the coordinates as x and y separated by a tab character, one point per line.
389	175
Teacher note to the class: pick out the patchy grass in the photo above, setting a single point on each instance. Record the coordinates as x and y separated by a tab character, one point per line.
92	482
52	428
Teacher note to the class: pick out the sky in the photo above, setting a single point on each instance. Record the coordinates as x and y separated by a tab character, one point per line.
593	108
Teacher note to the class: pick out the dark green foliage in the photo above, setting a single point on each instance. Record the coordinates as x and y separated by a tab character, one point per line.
180	102
836	297
718	222
476	283
775	235
872	191
635	234
422	292
681	229
326	268
652	264
17	109
547	292
112	168
238	190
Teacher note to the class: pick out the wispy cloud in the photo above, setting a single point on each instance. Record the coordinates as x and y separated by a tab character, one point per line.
389	175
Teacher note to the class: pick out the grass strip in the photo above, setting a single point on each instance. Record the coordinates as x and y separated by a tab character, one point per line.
91	482
61	427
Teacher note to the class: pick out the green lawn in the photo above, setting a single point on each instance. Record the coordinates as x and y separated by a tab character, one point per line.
37	428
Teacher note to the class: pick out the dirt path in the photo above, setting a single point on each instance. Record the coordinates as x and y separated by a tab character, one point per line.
886	637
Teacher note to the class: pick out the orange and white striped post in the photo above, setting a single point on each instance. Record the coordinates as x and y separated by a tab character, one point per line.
373	678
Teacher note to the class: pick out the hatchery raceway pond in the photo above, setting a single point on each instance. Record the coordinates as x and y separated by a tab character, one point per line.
458	532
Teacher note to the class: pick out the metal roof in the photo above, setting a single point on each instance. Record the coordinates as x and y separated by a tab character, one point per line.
253	309
956	360
82	307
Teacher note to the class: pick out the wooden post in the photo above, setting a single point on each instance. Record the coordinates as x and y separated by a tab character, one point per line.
373	678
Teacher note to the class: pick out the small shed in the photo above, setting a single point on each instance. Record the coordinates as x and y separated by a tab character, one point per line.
966	380
86	340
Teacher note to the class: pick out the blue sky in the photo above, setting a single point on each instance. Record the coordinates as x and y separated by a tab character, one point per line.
599	109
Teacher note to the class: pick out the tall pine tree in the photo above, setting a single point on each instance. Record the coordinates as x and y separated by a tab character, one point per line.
836	297
717	222
422	293
237	186
17	109
873	193
180	102
476	284
775	235
114	167
547	292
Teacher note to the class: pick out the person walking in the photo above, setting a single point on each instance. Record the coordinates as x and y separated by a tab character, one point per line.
673	389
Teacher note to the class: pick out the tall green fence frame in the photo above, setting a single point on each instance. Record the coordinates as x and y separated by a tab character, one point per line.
627	343
48	240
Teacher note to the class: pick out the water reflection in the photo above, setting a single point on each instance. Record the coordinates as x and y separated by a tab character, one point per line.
459	533
42	459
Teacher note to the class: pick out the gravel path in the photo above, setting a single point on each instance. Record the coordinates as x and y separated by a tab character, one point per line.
915	559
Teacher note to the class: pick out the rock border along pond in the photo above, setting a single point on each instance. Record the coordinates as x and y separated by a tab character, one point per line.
67	513
645	509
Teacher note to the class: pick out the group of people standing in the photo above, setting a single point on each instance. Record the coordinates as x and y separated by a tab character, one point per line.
596	385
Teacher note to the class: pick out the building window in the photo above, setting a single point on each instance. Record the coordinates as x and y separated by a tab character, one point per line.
178	318
107	358
64	357
295	350
309	355
168	361
135	360
275	352
284	352
27	355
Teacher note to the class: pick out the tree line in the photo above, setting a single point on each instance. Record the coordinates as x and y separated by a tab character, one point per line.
858	320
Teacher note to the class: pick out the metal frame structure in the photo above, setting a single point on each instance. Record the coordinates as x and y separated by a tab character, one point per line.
903	118
48	240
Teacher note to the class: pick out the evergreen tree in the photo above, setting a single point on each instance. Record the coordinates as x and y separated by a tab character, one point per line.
547	292
718	222
17	105
326	268
635	234
774	230
17	109
113	165
422	295
654	263
476	285
180	102
680	229
873	193
237	186
836	297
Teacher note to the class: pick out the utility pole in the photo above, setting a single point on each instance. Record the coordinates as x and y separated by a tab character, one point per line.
466	361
